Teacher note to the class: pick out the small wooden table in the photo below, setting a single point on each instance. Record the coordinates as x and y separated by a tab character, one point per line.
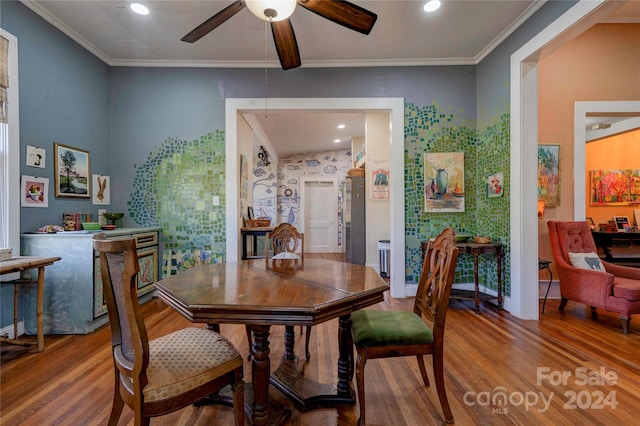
19	264
265	292
476	249
252	232
606	240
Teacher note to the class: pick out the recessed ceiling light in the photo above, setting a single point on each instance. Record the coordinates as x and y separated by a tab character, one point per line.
336	140
432	6
341	126
139	8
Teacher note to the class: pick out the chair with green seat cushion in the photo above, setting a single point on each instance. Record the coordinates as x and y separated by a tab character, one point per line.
385	334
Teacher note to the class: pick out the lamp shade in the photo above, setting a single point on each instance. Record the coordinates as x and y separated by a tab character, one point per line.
272	10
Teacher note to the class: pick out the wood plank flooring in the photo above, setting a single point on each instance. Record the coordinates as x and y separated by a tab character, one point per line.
499	371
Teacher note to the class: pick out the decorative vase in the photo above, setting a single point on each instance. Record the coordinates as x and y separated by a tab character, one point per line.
442	178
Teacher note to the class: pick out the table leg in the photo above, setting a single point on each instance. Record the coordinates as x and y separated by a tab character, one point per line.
544	302
476	280
345	359
289	343
260	371
40	309
244	246
499	258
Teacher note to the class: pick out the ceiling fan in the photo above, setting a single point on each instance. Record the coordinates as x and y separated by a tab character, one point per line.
277	12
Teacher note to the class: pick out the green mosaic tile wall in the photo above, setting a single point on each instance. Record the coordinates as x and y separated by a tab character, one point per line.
174	190
493	213
429	130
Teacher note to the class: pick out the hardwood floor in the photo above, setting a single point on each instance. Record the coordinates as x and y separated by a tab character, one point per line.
487	356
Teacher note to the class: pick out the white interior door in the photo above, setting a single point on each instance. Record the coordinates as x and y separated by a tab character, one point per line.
320	216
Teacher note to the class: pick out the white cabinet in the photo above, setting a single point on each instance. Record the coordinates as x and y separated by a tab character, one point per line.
73	297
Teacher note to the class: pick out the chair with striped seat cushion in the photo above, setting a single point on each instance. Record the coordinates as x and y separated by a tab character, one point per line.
171	372
385	334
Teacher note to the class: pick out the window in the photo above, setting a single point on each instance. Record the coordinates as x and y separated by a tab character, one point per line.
9	147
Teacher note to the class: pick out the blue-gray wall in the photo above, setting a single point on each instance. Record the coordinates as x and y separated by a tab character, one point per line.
121	114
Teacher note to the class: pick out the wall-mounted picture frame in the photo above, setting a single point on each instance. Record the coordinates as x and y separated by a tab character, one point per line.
35	157
495	185
444	182
549	174
71	171
34	191
101	190
614	187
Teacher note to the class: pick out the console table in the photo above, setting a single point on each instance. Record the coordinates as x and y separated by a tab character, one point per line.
606	240
19	264
254	233
476	250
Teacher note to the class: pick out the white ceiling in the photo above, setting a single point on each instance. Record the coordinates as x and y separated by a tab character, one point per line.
460	32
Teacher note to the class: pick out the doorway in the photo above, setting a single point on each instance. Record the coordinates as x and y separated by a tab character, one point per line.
319	203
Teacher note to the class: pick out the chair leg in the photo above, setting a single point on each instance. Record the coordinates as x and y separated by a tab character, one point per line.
438	372
118	403
563	303
237	393
594	313
423	369
360	363
307	337
625	323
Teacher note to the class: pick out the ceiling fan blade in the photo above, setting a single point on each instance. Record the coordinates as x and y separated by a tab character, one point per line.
343	13
216	20
286	44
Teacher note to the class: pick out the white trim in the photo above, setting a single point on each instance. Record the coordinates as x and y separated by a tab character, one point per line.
580	111
234	106
12	167
8	330
524	135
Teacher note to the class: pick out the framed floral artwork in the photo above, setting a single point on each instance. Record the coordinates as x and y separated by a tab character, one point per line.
495	185
72	177
34	191
549	174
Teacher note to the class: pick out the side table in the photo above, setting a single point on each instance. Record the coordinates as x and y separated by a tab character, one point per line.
19	264
544	264
476	249
254	233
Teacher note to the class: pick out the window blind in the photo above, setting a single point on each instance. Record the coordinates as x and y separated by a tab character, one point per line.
4	77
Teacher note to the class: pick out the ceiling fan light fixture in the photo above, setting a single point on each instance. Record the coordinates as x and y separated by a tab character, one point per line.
272	10
432	6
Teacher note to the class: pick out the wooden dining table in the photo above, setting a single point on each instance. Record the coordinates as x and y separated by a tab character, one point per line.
264	292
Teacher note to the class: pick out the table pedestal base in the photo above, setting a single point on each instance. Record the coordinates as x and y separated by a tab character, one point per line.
307	394
278	413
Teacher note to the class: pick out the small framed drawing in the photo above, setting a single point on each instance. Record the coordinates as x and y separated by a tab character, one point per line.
622	223
591	223
101	190
36	156
34	191
71	171
250	213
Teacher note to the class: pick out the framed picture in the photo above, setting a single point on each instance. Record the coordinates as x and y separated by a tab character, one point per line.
250	214
615	187
549	174
591	223
101	190
495	185
36	156
622	223
444	182
71	171
34	192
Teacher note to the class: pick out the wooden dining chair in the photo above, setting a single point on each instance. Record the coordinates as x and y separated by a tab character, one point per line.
166	374
385	334
286	242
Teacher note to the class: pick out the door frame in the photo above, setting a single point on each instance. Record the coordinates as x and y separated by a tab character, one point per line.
393	106
334	207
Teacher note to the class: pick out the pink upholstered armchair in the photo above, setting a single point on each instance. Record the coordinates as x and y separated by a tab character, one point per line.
615	289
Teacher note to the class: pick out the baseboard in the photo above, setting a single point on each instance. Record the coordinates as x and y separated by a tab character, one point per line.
8	330
554	291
